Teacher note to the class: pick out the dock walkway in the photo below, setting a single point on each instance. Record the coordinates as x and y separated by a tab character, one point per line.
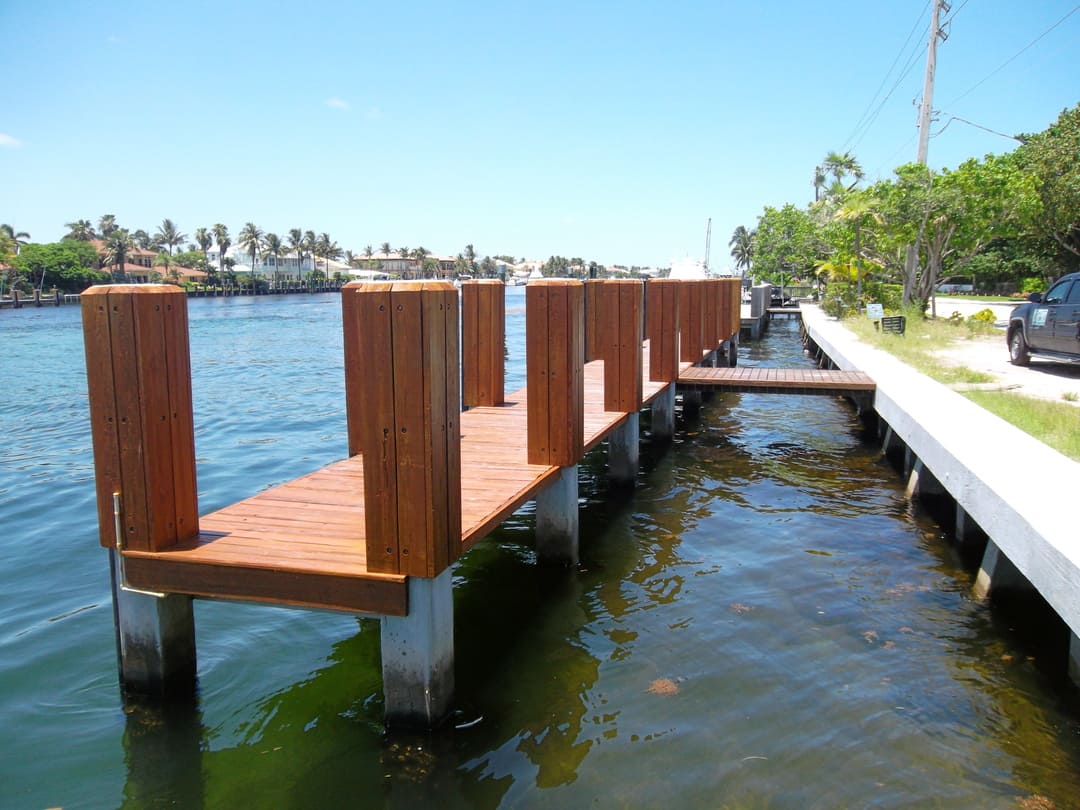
780	380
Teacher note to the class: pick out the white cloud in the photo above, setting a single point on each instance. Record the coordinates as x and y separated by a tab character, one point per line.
9	142
337	103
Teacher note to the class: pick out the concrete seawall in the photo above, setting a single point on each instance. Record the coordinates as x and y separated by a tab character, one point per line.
1016	489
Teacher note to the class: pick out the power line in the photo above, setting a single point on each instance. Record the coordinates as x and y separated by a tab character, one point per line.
973	124
911	63
873	117
885	78
1012	58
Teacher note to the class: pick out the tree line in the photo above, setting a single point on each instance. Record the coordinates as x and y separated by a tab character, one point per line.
1011	222
88	254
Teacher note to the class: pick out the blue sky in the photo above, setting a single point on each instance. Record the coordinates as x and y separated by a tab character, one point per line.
609	131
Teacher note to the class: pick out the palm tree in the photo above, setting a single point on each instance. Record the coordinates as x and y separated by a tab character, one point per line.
204	239
368	252
273	246
107	225
742	247
117	247
384	249
251	237
221	236
169	235
859	208
327	250
351	258
841	166
19	238
819	182
420	254
142	239
81	230
296	242
309	246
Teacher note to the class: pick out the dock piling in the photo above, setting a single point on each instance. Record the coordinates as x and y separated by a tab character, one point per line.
418	655
138	372
662	319
554	360
483	337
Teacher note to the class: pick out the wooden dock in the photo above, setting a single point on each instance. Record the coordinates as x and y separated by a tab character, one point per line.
378	531
780	380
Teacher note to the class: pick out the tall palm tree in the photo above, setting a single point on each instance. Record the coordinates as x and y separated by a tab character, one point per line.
20	238
296	242
742	247
841	166
420	254
384	249
117	247
251	237
309	246
351	258
169	235
81	230
142	240
107	225
221	237
322	249
819	182
368	252
204	239
273	247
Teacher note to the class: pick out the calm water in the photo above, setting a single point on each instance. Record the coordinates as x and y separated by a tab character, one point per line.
764	622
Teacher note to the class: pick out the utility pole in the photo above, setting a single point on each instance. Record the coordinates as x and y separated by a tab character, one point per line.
925	111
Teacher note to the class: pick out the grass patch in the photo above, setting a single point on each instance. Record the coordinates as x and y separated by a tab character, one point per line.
1054	423
924	337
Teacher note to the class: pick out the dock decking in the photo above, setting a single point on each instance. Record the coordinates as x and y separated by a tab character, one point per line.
303	543
780	380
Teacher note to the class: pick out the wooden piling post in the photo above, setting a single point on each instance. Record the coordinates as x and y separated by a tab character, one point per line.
620	337
356	355
594	319
555	377
691	320
483	342
138	372
409	432
662	319
621	332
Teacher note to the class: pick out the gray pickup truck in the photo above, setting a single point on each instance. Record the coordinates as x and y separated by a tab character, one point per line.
1048	325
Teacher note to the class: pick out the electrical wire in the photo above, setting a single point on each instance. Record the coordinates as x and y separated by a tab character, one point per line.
884	79
1012	58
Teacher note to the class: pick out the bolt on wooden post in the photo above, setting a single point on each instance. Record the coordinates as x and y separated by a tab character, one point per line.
483	338
409	432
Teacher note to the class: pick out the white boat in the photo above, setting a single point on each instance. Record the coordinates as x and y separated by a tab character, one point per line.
688	268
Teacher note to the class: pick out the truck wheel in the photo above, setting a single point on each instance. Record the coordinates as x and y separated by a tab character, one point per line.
1019	353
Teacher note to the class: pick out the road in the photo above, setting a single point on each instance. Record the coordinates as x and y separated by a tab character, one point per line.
1042	379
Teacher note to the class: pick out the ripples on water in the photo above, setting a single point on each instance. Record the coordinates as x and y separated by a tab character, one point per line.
764	622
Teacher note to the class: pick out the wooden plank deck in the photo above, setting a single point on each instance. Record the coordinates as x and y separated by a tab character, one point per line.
303	543
779	380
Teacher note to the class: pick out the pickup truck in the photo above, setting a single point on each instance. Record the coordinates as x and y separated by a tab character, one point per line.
1048	325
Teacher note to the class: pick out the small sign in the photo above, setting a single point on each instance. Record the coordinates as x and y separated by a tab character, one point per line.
1038	317
875	312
